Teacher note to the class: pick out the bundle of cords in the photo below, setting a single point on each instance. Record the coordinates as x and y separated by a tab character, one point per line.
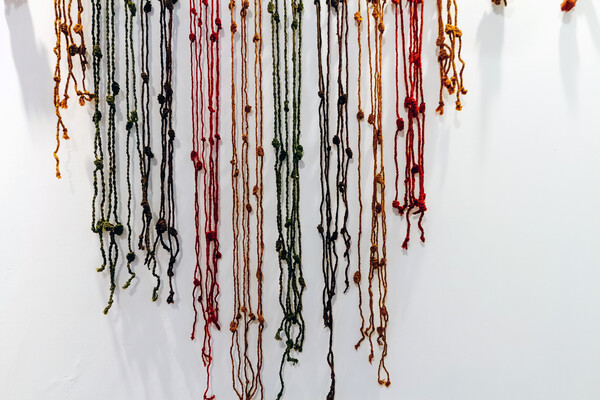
449	54
414	103
131	124
246	375
377	278
144	143
166	234
74	52
205	25
108	221
330	215
288	153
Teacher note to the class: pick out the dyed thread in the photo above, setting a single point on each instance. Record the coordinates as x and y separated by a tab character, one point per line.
246	374
286	50
166	234
144	143
450	61
329	208
205	25
74	51
414	103
360	116
377	320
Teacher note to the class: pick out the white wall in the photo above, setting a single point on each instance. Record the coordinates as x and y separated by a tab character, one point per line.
503	301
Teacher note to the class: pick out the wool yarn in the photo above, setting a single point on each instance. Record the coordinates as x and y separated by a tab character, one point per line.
286	39
450	61
247	309
205	26
73	49
377	319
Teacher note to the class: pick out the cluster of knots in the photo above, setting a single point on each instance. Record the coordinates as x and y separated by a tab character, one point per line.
205	25
74	50
449	54
246	359
334	202
374	326
286	39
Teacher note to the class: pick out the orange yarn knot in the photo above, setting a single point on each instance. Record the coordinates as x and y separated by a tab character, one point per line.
567	5
233	326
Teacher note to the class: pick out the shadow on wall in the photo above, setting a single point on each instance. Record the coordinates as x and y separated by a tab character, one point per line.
30	59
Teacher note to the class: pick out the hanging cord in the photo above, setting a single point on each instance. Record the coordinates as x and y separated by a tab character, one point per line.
414	189
205	25
448	54
377	278
166	234
328	225
131	124
288	153
144	143
245	376
360	116
567	5
99	198
64	28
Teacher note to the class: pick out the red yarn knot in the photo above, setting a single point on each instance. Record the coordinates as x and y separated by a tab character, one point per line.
194	155
197	282
193	11
218	22
214	37
211	236
192	37
415	58
400	124
422	108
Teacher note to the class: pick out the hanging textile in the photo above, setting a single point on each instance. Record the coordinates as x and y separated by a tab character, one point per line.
74	51
205	26
286	35
450	61
247	309
331	215
377	319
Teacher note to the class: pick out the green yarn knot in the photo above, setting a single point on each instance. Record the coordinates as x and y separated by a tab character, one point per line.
98	163
97	52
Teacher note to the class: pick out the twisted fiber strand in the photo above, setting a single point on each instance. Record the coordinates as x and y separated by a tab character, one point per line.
166	234
245	376
451	77
360	115
377	276
131	124
63	29
414	190
205	25
288	153
144	143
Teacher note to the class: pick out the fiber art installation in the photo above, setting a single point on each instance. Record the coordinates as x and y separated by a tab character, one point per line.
286	39
70	44
377	319
205	26
247	133
331	215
